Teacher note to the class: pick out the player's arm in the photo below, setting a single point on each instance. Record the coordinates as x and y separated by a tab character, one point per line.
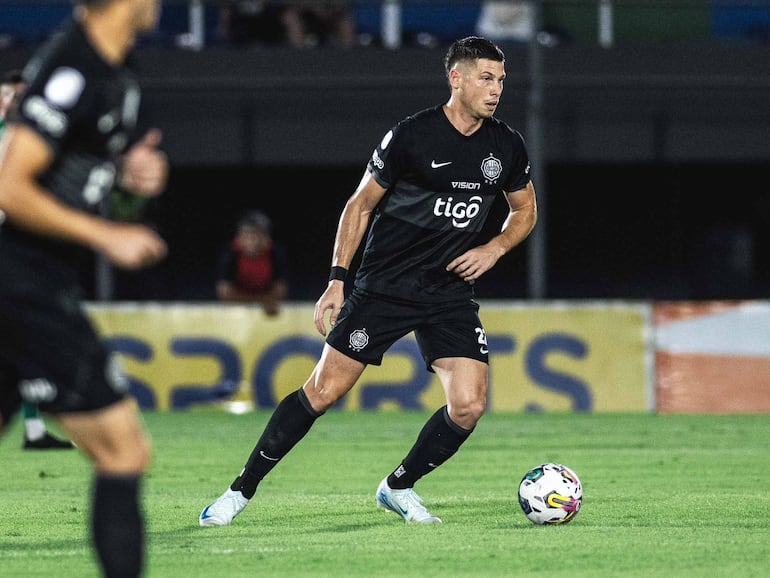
522	215
351	228
24	202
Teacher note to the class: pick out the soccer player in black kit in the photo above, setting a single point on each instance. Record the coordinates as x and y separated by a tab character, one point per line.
73	137
36	434
424	197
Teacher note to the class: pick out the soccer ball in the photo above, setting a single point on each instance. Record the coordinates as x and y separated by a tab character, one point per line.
550	494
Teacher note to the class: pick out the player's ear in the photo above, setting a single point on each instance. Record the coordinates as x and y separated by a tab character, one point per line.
455	76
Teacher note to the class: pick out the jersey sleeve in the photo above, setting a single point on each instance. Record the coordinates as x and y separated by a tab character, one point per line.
54	104
387	159
520	175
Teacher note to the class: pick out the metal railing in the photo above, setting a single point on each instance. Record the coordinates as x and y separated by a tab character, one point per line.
604	22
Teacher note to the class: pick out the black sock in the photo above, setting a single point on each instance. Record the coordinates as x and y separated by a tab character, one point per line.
117	525
290	421
438	441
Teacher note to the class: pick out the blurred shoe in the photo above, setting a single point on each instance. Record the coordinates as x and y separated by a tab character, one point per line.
47	442
223	510
406	503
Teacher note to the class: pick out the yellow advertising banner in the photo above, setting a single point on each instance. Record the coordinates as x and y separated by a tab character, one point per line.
543	358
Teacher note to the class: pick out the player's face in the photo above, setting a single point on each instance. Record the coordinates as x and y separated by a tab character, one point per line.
252	240
482	85
147	13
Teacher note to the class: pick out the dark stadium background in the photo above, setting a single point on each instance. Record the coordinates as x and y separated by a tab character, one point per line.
615	231
653	152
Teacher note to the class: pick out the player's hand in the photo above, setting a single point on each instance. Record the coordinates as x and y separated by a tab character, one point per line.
332	299
132	246
145	166
473	263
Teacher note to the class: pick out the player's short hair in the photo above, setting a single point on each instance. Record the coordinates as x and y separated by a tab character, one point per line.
472	48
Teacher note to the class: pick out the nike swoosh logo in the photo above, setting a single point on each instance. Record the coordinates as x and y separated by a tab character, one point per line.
394	507
435	165
261	453
205	513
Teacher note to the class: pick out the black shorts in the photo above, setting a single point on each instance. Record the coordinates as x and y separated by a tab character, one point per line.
369	324
50	353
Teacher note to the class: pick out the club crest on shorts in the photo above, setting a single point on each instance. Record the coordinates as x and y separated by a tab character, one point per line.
359	339
115	374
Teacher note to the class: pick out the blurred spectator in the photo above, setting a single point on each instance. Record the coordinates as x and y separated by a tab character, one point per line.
245	22
297	23
506	20
253	268
513	21
320	23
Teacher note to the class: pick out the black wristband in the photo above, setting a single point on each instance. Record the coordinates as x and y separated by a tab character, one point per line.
338	274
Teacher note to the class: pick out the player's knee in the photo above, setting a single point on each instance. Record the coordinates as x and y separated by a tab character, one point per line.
323	392
129	458
321	398
474	412
468	413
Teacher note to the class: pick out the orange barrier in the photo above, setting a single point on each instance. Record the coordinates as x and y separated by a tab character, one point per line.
712	357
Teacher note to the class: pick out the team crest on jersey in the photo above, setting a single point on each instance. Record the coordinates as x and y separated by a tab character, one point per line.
491	168
359	339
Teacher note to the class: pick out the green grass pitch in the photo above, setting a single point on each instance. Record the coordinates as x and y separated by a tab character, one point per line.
664	496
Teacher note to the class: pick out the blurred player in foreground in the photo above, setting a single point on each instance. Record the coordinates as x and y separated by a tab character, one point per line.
74	136
424	198
36	434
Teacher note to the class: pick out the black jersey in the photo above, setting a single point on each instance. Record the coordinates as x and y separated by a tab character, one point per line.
86	110
441	188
